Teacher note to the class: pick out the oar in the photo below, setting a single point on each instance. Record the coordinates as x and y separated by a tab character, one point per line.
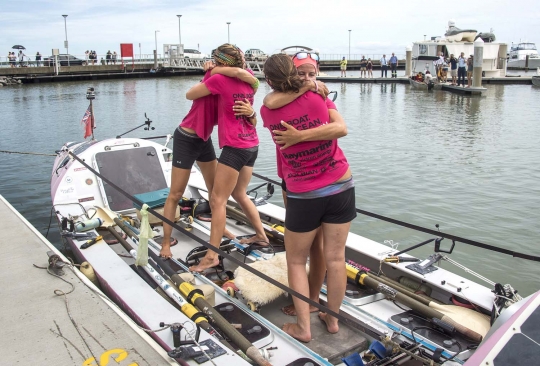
196	297
150	276
452	317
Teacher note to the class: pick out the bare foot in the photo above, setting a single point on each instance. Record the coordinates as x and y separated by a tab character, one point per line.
165	251
294	331
263	241
228	234
205	263
331	324
291	311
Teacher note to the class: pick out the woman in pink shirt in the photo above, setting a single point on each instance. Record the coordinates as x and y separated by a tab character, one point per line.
240	143
320	193
192	142
307	65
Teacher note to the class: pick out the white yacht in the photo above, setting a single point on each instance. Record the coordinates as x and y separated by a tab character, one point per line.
424	51
517	57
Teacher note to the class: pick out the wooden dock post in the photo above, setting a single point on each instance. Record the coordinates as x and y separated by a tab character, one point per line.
477	63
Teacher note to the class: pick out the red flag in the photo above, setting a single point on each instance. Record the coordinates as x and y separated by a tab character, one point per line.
87	122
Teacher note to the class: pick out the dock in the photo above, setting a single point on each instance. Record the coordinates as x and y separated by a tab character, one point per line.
45	322
29	75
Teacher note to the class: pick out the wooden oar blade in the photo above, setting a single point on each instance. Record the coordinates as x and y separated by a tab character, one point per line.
475	321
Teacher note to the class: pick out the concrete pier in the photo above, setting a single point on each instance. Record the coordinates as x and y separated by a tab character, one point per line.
36	326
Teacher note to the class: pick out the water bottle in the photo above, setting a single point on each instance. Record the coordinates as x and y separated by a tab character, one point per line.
88	225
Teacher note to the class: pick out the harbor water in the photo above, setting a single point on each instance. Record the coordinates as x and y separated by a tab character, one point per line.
469	164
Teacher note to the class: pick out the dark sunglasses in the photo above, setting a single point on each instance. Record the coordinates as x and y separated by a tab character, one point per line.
304	55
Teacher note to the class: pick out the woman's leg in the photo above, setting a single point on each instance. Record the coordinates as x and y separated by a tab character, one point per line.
247	205
179	179
335	236
208	170
221	191
297	247
317	272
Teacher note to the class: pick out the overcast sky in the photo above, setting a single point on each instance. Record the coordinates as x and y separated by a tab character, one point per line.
376	26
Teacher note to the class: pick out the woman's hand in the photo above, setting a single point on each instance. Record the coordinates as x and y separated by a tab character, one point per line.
243	108
320	88
208	65
289	137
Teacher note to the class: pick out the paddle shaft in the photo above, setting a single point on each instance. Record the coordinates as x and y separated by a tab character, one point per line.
200	302
150	279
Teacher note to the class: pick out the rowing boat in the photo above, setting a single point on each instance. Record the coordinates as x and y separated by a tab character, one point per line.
95	178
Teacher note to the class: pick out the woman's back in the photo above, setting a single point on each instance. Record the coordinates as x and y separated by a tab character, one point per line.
306	166
233	131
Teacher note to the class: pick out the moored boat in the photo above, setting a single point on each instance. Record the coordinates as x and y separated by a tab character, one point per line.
110	179
455	34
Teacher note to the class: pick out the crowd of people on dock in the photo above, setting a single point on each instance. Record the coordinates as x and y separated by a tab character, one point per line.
21	60
366	66
317	185
459	68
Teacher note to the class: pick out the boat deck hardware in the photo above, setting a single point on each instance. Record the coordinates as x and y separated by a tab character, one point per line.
426	266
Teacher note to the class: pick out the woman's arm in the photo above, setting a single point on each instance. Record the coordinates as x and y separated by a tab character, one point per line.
197	91
236	72
330	131
276	100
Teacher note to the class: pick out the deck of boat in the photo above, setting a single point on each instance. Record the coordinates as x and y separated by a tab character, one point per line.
330	346
37	329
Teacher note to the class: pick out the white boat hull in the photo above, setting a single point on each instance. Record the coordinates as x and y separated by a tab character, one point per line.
73	185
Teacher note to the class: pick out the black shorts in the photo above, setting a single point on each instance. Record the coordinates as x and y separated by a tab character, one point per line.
238	158
187	149
305	215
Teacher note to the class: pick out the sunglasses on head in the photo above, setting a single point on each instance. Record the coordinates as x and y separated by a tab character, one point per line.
304	55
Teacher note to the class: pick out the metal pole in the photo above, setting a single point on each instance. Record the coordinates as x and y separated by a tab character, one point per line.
179	30
477	63
66	43
228	33
408	61
349	45
155	51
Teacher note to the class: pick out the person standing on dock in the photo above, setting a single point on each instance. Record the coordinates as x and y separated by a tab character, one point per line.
462	69
384	67
363	66
86	56
343	67
393	65
369	68
21	58
108	56
453	69
38	59
114	56
469	71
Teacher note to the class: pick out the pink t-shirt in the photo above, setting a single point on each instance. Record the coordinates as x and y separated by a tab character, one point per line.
202	116
234	131
330	105
308	165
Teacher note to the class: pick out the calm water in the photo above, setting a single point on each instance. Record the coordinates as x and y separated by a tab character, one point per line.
471	165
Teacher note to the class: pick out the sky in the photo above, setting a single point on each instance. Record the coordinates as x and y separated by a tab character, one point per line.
376	27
